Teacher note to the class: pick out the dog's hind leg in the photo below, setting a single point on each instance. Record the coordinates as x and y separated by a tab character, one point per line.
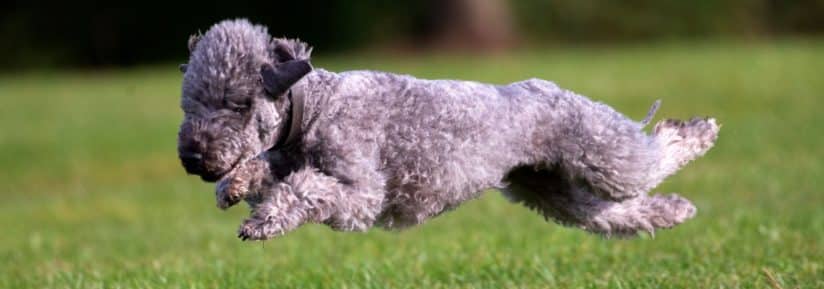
593	143
572	204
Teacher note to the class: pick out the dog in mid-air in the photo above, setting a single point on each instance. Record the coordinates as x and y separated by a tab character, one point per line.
362	148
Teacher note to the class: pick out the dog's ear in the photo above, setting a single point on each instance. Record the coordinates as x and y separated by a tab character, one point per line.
282	54
193	40
277	79
284	50
192	43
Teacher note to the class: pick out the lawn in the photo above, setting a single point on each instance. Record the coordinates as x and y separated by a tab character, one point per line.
93	195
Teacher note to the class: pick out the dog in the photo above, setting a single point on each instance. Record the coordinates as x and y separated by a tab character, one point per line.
359	149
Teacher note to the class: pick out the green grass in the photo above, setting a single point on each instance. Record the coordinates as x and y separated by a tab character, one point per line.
93	195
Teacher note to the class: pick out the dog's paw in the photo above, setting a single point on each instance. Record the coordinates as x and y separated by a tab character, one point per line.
683	141
666	211
642	214
230	191
259	229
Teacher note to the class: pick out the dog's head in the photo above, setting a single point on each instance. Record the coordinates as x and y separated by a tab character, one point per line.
233	95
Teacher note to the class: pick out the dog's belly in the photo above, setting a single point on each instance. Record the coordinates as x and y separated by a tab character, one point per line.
431	183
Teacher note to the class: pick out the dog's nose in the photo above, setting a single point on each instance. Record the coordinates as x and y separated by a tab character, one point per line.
190	156
192	162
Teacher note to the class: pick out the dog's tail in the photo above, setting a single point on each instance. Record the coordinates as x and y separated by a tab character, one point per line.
651	113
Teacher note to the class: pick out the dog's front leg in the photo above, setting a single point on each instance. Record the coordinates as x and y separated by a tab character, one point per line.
276	211
307	196
248	178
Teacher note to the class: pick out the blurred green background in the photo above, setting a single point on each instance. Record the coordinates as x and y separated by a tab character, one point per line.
94	196
95	33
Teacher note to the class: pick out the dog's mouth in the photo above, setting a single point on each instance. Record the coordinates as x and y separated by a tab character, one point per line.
215	176
212	177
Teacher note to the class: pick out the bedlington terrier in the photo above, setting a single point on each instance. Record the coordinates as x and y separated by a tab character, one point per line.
364	148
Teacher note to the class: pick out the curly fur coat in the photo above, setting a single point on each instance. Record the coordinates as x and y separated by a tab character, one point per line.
377	148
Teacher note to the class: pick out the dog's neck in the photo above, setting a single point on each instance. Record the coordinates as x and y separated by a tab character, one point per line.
304	104
291	133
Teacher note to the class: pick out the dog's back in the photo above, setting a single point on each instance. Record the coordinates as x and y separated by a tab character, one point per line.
440	142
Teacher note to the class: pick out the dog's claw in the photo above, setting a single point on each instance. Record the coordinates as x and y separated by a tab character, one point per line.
245	233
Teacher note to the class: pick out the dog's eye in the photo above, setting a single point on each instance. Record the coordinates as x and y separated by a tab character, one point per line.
237	107
240	108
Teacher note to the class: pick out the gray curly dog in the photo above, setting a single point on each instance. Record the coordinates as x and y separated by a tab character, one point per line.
363	148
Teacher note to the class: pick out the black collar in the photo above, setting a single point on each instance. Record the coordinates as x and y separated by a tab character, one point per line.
294	123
